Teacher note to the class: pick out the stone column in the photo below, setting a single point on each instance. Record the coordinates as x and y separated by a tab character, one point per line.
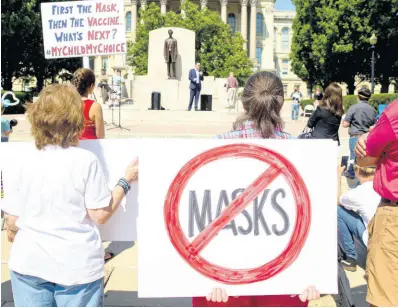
182	10
224	4
163	4
203	4
253	15
243	22
143	4
133	20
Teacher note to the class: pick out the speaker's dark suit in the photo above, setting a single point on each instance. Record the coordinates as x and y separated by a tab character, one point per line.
194	88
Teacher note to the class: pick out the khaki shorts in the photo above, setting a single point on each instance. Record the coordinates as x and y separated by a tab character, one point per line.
382	258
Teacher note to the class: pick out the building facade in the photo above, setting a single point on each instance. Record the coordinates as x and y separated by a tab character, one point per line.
268	34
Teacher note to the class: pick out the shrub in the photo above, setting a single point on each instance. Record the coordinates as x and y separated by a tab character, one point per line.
349	100
306	102
378	99
23	98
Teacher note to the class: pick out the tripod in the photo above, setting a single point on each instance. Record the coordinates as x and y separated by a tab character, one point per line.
119	96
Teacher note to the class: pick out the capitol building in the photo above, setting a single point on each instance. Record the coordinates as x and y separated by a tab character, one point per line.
268	33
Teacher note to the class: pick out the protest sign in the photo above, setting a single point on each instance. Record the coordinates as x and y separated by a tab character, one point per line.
83	28
114	155
253	217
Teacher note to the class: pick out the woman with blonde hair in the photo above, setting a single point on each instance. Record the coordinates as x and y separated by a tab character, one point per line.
325	121
57	258
262	101
84	81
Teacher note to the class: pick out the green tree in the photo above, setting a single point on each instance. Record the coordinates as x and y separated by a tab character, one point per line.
217	49
383	20
331	40
22	49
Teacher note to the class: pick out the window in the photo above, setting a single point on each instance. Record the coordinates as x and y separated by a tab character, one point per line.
285	89
285	67
275	34
128	22
91	63
285	39
232	22
259	24
259	52
105	63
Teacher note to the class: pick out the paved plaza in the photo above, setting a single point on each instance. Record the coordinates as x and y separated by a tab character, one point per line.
121	271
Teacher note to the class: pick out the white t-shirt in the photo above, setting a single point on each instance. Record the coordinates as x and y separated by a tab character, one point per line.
57	241
363	200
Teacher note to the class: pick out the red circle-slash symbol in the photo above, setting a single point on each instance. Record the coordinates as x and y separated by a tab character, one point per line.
190	251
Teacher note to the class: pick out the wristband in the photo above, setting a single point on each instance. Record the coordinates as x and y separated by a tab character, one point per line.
124	184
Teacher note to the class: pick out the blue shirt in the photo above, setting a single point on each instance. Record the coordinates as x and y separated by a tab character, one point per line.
5	127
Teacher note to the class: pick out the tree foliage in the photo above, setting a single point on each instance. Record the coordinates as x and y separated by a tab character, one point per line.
217	49
22	51
331	40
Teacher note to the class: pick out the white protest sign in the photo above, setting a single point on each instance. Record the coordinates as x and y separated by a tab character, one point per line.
114	155
256	217
83	28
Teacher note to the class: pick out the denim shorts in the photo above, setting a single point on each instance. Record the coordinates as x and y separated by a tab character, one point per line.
29	291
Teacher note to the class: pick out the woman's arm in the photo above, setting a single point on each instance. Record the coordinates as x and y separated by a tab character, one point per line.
314	118
98	120
102	215
10	225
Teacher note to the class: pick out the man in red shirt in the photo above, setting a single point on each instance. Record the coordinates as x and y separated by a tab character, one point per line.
380	147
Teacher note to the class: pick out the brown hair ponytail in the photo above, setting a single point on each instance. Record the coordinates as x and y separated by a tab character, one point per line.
83	79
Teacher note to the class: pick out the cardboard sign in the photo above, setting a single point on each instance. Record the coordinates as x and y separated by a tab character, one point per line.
83	28
114	155
253	217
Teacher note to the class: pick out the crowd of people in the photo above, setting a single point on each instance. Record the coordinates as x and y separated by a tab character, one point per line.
60	230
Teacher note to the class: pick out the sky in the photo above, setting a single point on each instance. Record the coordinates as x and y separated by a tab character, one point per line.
284	5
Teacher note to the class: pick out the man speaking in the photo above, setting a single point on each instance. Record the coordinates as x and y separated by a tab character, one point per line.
196	78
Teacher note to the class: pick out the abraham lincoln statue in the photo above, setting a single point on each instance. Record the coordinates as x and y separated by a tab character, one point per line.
170	55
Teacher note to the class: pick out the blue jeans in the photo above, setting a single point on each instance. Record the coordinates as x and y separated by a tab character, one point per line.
4	139
295	111
349	224
29	291
352	143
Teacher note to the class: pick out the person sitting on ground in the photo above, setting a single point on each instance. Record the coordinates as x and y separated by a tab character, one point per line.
360	117
379	148
6	129
57	258
326	119
356	207
262	101
84	81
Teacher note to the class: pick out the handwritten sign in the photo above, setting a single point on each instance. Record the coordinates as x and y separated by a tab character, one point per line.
247	216
83	28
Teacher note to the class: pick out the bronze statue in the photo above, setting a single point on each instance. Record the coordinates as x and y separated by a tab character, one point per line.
170	55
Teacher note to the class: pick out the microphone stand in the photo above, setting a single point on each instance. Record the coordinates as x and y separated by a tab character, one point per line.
113	122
